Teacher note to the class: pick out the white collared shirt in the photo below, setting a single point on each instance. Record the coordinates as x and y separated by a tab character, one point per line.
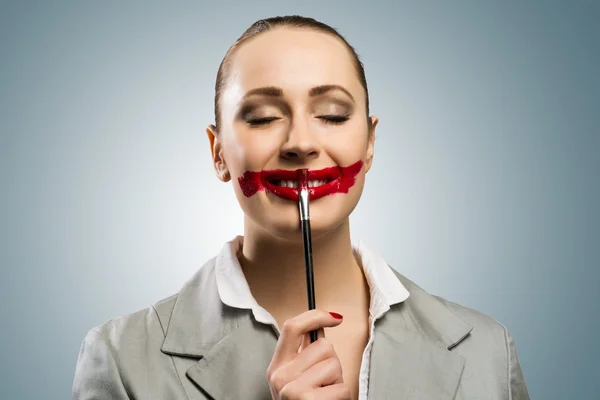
385	290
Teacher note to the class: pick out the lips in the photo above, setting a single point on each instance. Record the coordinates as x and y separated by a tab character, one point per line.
322	182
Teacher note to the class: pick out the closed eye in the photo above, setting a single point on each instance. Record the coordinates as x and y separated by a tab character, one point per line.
334	119
261	121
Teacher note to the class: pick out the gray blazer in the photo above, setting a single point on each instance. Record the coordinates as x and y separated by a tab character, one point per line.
191	346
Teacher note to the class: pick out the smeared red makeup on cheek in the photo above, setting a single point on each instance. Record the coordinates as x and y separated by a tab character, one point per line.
326	181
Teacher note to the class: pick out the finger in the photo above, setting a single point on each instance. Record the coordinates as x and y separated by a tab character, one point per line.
318	351
306	339
325	373
339	391
294	329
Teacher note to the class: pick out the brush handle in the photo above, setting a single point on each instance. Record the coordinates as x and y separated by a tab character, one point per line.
310	279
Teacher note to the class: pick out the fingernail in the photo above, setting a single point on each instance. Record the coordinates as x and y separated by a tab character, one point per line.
336	315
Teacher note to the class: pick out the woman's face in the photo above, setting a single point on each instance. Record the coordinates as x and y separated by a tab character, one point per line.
293	101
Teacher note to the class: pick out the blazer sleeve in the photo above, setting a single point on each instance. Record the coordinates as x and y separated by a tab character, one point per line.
517	389
96	374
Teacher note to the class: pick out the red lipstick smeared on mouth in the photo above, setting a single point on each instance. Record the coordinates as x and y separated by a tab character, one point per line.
337	180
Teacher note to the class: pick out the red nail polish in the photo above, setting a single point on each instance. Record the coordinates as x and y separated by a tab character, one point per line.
336	315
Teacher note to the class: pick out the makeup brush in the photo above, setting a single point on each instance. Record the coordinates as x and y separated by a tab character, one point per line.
302	176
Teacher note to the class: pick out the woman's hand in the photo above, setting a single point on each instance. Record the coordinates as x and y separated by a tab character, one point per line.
303	370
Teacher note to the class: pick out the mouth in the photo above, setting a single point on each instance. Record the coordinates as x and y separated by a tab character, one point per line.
284	183
294	184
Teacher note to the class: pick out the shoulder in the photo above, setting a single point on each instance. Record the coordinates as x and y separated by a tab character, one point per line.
140	332
488	333
130	340
146	322
153	321
114	356
488	347
464	330
123	356
481	323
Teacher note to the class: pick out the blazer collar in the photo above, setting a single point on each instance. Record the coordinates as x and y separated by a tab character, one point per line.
411	355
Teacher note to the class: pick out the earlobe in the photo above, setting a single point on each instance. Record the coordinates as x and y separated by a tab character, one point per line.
373	121
223	174
216	151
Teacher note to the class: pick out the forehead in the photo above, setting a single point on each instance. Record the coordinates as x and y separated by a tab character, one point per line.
295	59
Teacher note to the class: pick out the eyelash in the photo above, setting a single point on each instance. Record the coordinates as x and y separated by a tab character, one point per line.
330	119
335	119
261	121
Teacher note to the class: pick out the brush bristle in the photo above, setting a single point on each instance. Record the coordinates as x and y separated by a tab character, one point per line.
302	175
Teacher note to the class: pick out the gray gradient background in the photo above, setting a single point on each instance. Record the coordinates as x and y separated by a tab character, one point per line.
489	138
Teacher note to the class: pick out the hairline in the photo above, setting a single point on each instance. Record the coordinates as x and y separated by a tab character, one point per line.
230	56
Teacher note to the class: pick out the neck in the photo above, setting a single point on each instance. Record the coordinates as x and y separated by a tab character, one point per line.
275	271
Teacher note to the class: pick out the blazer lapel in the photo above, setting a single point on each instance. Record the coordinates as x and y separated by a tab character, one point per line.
219	352
235	368
411	357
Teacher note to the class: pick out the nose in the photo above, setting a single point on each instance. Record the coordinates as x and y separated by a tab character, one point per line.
300	146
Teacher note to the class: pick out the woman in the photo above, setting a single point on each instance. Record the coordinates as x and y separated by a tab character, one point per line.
291	93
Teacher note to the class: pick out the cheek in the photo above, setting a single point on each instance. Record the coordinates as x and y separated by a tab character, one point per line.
347	146
246	152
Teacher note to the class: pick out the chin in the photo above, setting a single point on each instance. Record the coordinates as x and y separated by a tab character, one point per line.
328	214
281	218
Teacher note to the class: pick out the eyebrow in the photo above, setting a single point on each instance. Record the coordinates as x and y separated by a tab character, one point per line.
274	91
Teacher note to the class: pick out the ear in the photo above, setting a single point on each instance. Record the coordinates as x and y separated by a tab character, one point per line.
216	151
373	121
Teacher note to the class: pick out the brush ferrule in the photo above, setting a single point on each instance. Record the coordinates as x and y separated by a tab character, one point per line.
303	205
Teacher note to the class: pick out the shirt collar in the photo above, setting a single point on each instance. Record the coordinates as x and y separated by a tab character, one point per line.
385	288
